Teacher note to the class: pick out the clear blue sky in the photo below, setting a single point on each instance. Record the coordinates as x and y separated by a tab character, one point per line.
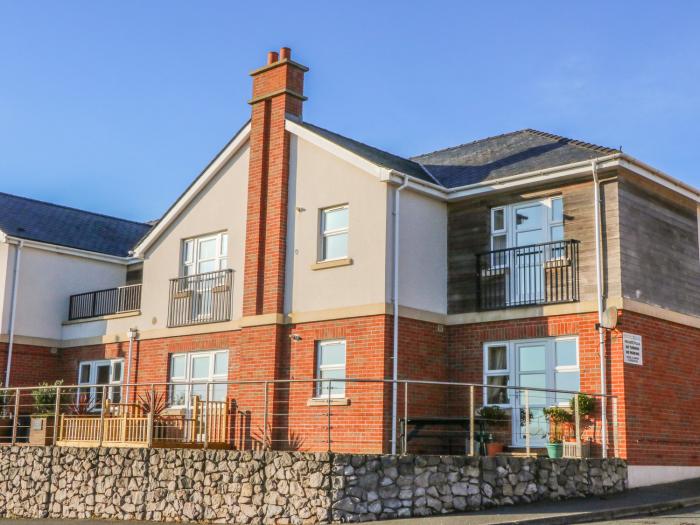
115	106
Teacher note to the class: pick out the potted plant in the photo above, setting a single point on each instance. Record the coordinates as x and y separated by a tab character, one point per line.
558	416
41	426
496	420
586	406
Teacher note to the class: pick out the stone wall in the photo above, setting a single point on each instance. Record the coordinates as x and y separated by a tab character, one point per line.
279	487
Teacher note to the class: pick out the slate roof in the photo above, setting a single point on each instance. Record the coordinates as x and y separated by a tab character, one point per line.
482	160
50	223
373	155
505	155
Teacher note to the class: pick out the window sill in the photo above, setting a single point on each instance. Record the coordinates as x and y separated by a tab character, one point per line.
322	265
323	402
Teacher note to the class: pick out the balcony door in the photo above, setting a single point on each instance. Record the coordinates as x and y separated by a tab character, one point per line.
529	233
102	372
202	258
518	232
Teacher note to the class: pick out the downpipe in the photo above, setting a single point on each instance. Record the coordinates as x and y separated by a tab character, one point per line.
601	330
132	336
395	300
13	309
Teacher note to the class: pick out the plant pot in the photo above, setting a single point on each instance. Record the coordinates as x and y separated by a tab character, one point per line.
555	450
494	448
41	431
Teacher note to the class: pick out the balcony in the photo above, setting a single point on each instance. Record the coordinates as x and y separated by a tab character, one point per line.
538	274
104	302
201	298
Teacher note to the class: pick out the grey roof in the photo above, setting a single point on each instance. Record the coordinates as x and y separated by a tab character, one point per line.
50	223
505	155
482	160
373	155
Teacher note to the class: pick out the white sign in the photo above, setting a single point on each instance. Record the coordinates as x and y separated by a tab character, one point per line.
632	348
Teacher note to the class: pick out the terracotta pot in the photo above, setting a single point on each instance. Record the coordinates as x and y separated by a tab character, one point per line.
494	448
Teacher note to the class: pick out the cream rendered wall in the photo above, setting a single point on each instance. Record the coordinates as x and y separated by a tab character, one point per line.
220	206
422	252
318	180
47	280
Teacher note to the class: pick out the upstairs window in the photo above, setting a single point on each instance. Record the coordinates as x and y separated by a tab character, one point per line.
527	223
334	233
204	254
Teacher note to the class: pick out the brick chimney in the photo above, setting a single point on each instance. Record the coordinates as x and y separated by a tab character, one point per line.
277	91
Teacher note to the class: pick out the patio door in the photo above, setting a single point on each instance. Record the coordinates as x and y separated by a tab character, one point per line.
529	232
97	373
532	371
202	257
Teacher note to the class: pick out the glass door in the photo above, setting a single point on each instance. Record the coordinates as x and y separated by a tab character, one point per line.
528	272
532	372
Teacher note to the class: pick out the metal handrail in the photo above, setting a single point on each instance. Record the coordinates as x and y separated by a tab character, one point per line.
106	301
200	298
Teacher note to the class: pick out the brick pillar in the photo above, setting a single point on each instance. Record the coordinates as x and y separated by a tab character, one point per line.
277	91
264	343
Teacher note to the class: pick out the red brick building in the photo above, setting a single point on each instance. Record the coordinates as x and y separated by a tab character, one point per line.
289	256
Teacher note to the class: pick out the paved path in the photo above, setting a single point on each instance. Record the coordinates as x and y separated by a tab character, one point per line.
677	500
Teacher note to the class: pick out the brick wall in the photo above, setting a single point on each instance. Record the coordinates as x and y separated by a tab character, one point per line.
30	364
660	400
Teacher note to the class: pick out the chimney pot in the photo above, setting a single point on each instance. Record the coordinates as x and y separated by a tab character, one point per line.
272	57
286	53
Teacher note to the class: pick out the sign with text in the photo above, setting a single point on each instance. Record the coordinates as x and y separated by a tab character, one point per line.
632	348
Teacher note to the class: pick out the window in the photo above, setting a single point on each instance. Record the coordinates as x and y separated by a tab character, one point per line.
526	223
204	254
194	370
497	374
330	364
103	372
334	233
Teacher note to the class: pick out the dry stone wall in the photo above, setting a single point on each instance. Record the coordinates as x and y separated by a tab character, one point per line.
180	485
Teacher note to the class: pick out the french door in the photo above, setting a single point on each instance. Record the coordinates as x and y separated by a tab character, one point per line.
529	225
101	372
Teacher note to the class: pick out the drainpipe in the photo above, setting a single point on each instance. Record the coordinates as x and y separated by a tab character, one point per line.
132	335
599	281
13	309
395	337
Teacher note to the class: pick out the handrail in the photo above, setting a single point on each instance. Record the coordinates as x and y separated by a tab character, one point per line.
200	298
104	302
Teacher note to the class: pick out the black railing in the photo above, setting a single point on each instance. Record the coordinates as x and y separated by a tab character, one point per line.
200	298
537	274
104	302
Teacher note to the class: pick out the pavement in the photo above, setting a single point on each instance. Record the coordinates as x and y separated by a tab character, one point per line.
669	504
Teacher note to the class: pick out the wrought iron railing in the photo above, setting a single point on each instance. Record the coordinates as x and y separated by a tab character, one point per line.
201	298
104	302
537	274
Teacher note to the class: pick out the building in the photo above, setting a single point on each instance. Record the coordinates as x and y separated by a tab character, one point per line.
284	258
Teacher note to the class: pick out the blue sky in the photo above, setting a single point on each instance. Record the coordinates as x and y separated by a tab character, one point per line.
115	106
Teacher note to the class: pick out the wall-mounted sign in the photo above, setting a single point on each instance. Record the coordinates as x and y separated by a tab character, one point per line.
632	348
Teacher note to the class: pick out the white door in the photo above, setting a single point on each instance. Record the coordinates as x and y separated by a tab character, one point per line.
532	371
529	232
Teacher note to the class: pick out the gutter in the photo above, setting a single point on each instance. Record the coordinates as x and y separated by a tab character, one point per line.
13	306
395	336
65	250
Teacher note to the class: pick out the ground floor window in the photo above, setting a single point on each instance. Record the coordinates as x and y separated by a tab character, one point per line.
101	372
330	364
195	370
549	363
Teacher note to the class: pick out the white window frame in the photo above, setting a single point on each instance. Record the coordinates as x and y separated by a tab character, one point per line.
320	392
324	233
221	257
113	382
513	365
509	220
187	378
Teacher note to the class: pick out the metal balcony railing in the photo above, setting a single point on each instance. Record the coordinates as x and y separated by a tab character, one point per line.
104	302
537	274
201	298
